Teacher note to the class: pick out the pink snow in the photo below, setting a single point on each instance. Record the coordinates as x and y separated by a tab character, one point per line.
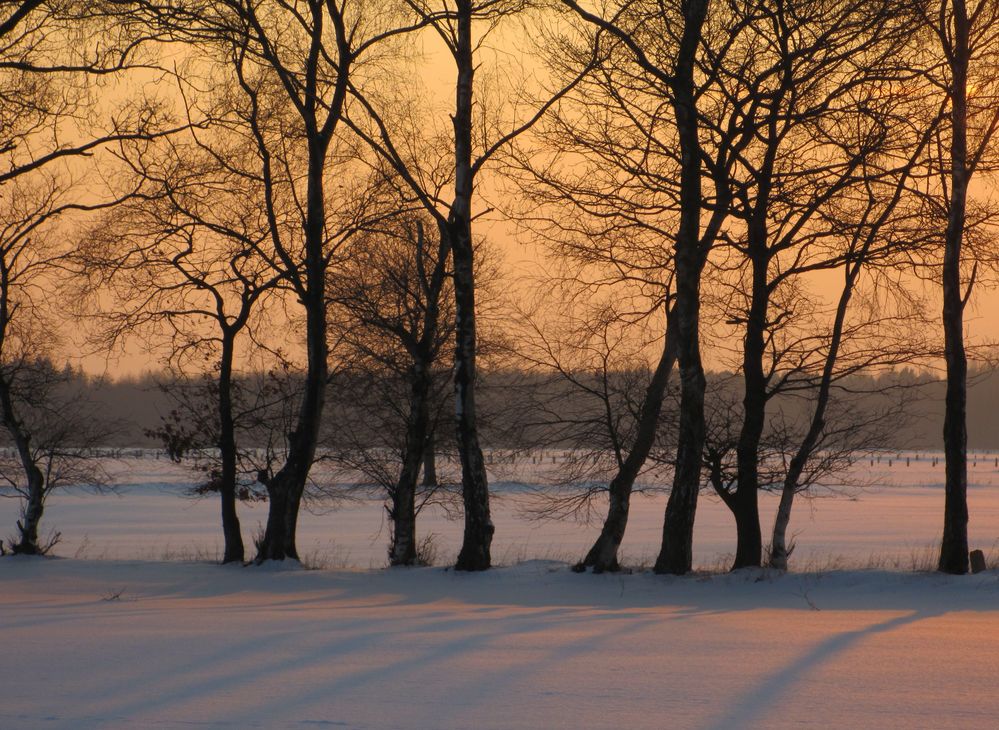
895	521
136	640
114	644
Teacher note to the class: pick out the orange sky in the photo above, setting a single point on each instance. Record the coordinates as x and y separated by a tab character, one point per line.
521	256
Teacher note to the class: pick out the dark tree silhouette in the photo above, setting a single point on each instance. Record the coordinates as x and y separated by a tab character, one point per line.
453	216
664	43
394	324
816	125
49	424
181	262
292	65
967	39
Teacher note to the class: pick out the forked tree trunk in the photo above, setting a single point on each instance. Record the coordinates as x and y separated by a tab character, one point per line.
603	555
286	488
34	507
954	546
676	554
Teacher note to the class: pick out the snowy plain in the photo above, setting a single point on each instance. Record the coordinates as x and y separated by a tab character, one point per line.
116	634
889	516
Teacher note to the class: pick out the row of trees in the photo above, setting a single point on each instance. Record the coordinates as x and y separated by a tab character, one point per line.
277	185
770	144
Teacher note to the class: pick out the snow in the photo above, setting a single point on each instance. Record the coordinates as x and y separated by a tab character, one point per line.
134	628
128	644
895	521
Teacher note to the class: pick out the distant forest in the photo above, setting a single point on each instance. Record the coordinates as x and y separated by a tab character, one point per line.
138	406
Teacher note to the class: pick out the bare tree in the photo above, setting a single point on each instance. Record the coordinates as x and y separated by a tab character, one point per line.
48	426
55	129
968	38
453	216
877	340
600	174
180	263
55	431
293	63
665	41
854	424
821	110
596	400
394	302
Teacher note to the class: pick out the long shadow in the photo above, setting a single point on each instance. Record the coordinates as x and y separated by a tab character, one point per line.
756	704
296	700
225	666
553	585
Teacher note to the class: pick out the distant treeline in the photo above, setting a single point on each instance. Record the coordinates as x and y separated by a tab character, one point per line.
137	404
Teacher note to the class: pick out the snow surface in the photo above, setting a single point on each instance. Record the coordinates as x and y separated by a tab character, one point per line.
131	644
126	631
894	521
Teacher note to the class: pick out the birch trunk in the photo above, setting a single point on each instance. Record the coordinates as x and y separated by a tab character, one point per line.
676	554
478	533
954	546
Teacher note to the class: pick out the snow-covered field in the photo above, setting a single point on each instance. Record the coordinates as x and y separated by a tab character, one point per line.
894	522
116	635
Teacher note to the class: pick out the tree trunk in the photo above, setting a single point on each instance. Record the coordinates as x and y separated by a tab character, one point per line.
779	549
276	544
747	518
676	554
779	552
603	555
430	462
27	526
954	546
745	505
478	535
231	532
34	508
286	488
749	539
402	550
